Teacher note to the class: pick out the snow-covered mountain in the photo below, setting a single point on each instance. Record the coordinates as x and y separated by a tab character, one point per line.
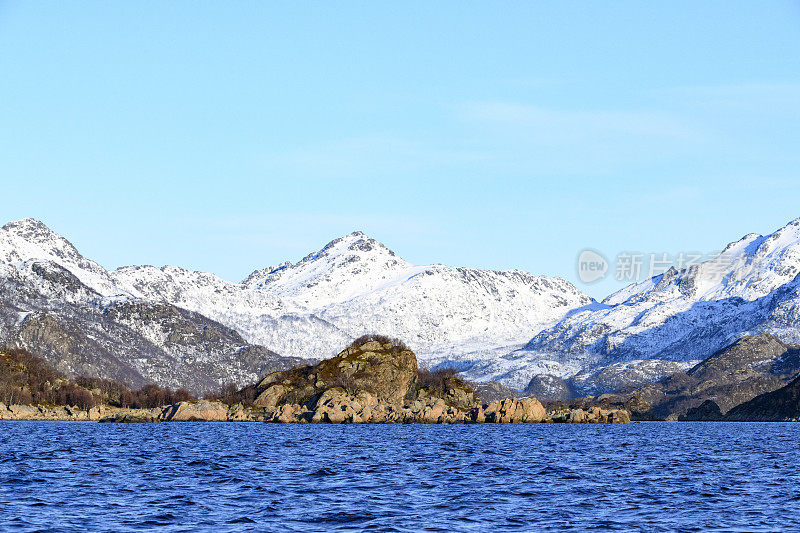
157	323
30	240
68	310
355	285
649	329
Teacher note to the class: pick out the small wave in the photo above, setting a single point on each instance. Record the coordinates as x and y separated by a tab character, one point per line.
242	520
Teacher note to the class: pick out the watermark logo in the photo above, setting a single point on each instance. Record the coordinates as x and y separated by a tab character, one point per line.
633	267
592	266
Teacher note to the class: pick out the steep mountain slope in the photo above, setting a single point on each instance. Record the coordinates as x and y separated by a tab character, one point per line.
355	285
256	314
751	287
753	365
67	310
776	406
28	239
144	323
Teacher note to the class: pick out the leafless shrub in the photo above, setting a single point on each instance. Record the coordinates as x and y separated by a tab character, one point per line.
438	382
383	339
230	394
151	396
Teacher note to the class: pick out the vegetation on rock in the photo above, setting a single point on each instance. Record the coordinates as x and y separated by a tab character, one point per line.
26	379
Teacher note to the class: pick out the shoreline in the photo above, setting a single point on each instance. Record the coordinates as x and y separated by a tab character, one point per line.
506	411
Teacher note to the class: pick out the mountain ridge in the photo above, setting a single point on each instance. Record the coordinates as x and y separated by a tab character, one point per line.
351	286
355	284
478	321
751	287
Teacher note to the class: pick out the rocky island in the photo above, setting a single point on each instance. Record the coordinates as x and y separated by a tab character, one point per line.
374	380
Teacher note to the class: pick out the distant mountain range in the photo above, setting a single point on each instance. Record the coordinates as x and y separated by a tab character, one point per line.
178	327
651	329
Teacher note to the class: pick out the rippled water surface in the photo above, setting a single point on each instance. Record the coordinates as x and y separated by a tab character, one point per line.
62	476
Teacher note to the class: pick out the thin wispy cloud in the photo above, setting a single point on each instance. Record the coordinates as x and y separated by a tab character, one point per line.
568	124
763	96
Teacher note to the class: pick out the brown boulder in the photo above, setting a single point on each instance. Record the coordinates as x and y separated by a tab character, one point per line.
532	410
203	410
271	396
386	371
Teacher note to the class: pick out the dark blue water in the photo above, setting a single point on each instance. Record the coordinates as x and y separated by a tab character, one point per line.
62	476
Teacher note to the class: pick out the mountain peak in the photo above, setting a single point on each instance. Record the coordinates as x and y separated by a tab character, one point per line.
30	239
357	243
40	239
355	253
28	227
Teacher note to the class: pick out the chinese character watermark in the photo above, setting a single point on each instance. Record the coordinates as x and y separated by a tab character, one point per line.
634	267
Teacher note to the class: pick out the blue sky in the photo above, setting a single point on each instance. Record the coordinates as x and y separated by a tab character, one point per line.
231	136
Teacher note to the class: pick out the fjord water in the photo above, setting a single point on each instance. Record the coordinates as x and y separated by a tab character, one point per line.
62	476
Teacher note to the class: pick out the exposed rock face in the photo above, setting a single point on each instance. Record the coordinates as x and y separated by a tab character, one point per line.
512	410
140	343
492	390
39	412
549	388
382	369
191	411
781	405
133	416
373	381
196	411
592	415
379	382
751	366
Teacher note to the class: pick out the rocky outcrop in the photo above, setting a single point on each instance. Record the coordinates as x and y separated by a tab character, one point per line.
41	412
335	406
510	410
191	411
592	415
376	381
385	370
133	416
372	381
